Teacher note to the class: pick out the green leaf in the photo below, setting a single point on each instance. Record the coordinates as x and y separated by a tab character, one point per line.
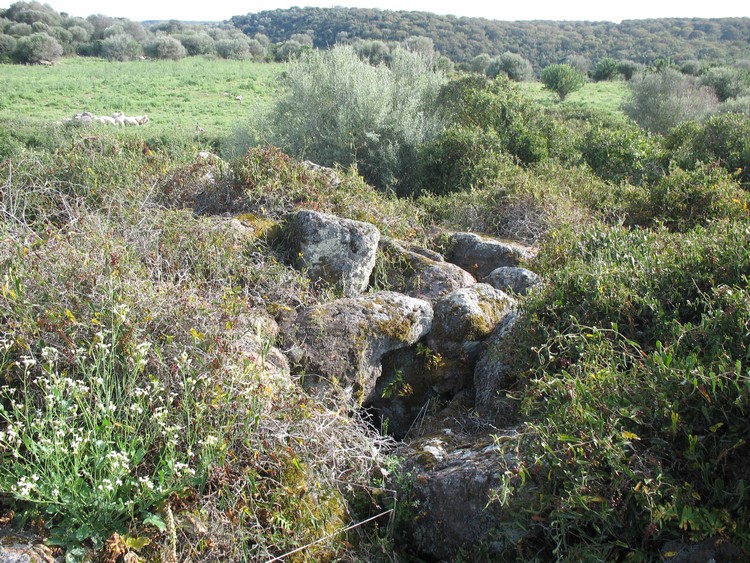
154	520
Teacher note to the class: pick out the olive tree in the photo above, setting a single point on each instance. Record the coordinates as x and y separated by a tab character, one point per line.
661	100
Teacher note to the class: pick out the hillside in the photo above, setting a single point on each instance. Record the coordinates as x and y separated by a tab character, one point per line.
391	315
542	42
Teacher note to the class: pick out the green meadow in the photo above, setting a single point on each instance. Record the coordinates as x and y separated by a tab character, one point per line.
176	95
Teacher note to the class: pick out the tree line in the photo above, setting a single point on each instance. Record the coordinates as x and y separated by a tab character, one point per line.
32	32
541	42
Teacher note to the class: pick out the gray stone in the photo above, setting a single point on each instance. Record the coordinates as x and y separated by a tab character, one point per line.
338	251
492	374
514	279
419	272
479	255
453	484
342	342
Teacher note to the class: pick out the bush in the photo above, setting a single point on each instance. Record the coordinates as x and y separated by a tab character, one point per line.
637	394
659	101
198	44
340	110
621	154
727	82
513	65
165	47
38	47
236	48
723	139
683	200
498	105
7	46
461	159
121	47
562	79
605	69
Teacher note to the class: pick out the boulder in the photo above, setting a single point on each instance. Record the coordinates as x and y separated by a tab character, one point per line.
467	315
338	251
453	484
419	272
492	375
479	255
342	342
513	279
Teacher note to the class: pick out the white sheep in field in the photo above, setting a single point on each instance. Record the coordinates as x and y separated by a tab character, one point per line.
107	120
142	119
119	118
238	98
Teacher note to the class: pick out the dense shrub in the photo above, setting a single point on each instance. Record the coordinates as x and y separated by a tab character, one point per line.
727	82
198	43
723	139
338	109
664	99
38	47
621	153
460	159
513	65
235	48
7	46
165	47
606	69
121	47
637	396
476	102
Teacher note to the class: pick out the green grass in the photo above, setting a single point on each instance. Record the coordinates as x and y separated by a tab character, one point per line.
598	96
175	95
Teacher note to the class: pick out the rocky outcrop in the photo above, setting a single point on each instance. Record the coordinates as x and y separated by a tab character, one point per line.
338	251
480	255
342	342
513	279
23	547
419	272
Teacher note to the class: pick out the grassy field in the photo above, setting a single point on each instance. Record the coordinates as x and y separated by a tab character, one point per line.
598	96
175	95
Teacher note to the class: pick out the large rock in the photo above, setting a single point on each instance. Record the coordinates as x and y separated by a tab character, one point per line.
419	272
465	317
342	342
492	375
513	279
453	484
338	251
480	255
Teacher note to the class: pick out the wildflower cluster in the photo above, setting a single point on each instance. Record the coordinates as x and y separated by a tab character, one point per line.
96	439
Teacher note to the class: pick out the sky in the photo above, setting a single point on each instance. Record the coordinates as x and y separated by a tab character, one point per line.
591	10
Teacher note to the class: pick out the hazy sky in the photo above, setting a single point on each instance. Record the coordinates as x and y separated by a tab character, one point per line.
218	10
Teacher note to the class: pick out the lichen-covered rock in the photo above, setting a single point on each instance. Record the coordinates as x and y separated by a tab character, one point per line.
513	278
338	251
453	485
342	342
492	374
467	316
479	255
419	272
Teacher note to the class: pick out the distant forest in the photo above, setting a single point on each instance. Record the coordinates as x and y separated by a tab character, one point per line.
725	40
